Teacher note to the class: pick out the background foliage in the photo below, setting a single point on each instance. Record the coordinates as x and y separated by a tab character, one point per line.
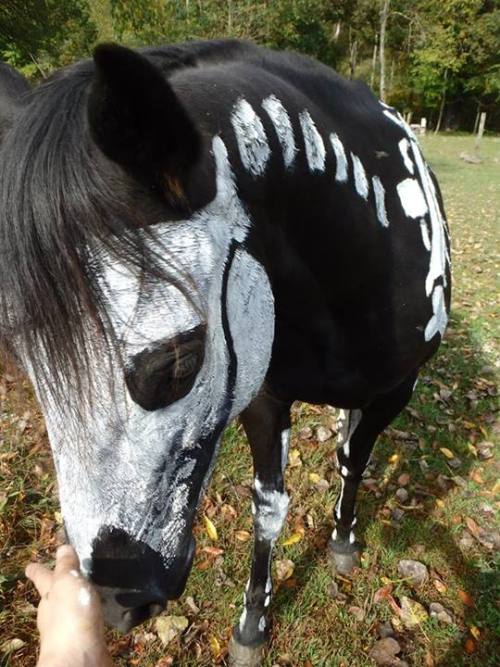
441	57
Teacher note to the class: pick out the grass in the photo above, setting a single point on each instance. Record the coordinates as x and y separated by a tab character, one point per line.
454	408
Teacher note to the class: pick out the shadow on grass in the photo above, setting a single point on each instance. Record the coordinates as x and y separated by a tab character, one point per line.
453	406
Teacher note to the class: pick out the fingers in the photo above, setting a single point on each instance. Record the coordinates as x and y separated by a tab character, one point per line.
66	560
41	577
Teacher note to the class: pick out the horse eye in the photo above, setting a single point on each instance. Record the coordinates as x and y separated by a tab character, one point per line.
156	378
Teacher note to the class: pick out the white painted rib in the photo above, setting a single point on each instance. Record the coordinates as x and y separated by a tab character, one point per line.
360	180
251	137
439	320
315	148
340	157
424	230
404	149
283	128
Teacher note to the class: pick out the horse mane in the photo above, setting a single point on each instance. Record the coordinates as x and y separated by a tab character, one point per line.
60	203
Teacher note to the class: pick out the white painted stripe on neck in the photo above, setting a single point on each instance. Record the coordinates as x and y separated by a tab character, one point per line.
404	148
283	128
251	138
379	192
315	148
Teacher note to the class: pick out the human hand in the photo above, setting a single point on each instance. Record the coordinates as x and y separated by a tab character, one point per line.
69	618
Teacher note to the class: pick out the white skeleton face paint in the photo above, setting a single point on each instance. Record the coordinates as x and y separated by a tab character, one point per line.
133	469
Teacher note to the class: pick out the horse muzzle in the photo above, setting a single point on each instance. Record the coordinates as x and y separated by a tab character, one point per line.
132	579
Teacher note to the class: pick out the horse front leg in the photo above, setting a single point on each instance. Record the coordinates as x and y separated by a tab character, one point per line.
267	425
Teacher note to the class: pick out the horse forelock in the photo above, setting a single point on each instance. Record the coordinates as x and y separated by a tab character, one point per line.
61	204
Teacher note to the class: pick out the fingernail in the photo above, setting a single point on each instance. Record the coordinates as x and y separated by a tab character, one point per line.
64	550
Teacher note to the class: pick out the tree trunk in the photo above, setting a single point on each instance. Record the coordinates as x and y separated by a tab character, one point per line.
384	14
374	62
353	54
443	102
229	16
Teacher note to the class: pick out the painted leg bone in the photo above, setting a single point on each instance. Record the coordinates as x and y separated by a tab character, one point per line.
267	427
357	435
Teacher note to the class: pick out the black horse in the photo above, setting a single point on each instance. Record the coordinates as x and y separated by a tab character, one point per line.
197	232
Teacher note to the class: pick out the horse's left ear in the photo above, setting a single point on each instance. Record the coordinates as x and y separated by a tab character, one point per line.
137	121
13	90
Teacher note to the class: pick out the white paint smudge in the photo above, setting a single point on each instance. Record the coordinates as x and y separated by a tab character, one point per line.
360	180
344	472
262	623
283	128
412	198
251	137
315	148
379	192
340	157
285	444
272	508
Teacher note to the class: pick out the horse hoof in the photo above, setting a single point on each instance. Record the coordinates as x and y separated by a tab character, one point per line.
344	563
245	656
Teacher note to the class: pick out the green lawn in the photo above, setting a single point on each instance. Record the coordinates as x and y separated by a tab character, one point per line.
315	624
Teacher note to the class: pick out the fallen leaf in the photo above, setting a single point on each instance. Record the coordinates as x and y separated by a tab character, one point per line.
213	551
294	460
412	613
242	535
403	479
393	458
447	452
168	627
12	645
214	646
284	569
314	477
466	598
475	631
439	586
470	645
357	612
210	528
439	502
293	539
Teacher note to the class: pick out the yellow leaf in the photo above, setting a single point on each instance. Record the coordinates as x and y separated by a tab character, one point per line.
242	535
58	517
472	450
475	631
314	477
211	529
496	487
293	539
294	460
385	580
439	586
214	646
393	458
439	502
447	452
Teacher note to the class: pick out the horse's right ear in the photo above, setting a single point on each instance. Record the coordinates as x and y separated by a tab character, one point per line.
136	119
13	87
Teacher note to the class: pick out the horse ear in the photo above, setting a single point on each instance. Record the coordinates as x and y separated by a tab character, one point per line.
137	121
13	86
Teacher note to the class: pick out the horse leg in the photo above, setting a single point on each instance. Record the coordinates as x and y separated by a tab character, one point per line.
358	431
267	425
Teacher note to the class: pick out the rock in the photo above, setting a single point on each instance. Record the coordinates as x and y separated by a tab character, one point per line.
402	495
397	514
404	479
385	630
443	615
305	433
412	613
416	572
466	541
323	434
484	450
384	651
